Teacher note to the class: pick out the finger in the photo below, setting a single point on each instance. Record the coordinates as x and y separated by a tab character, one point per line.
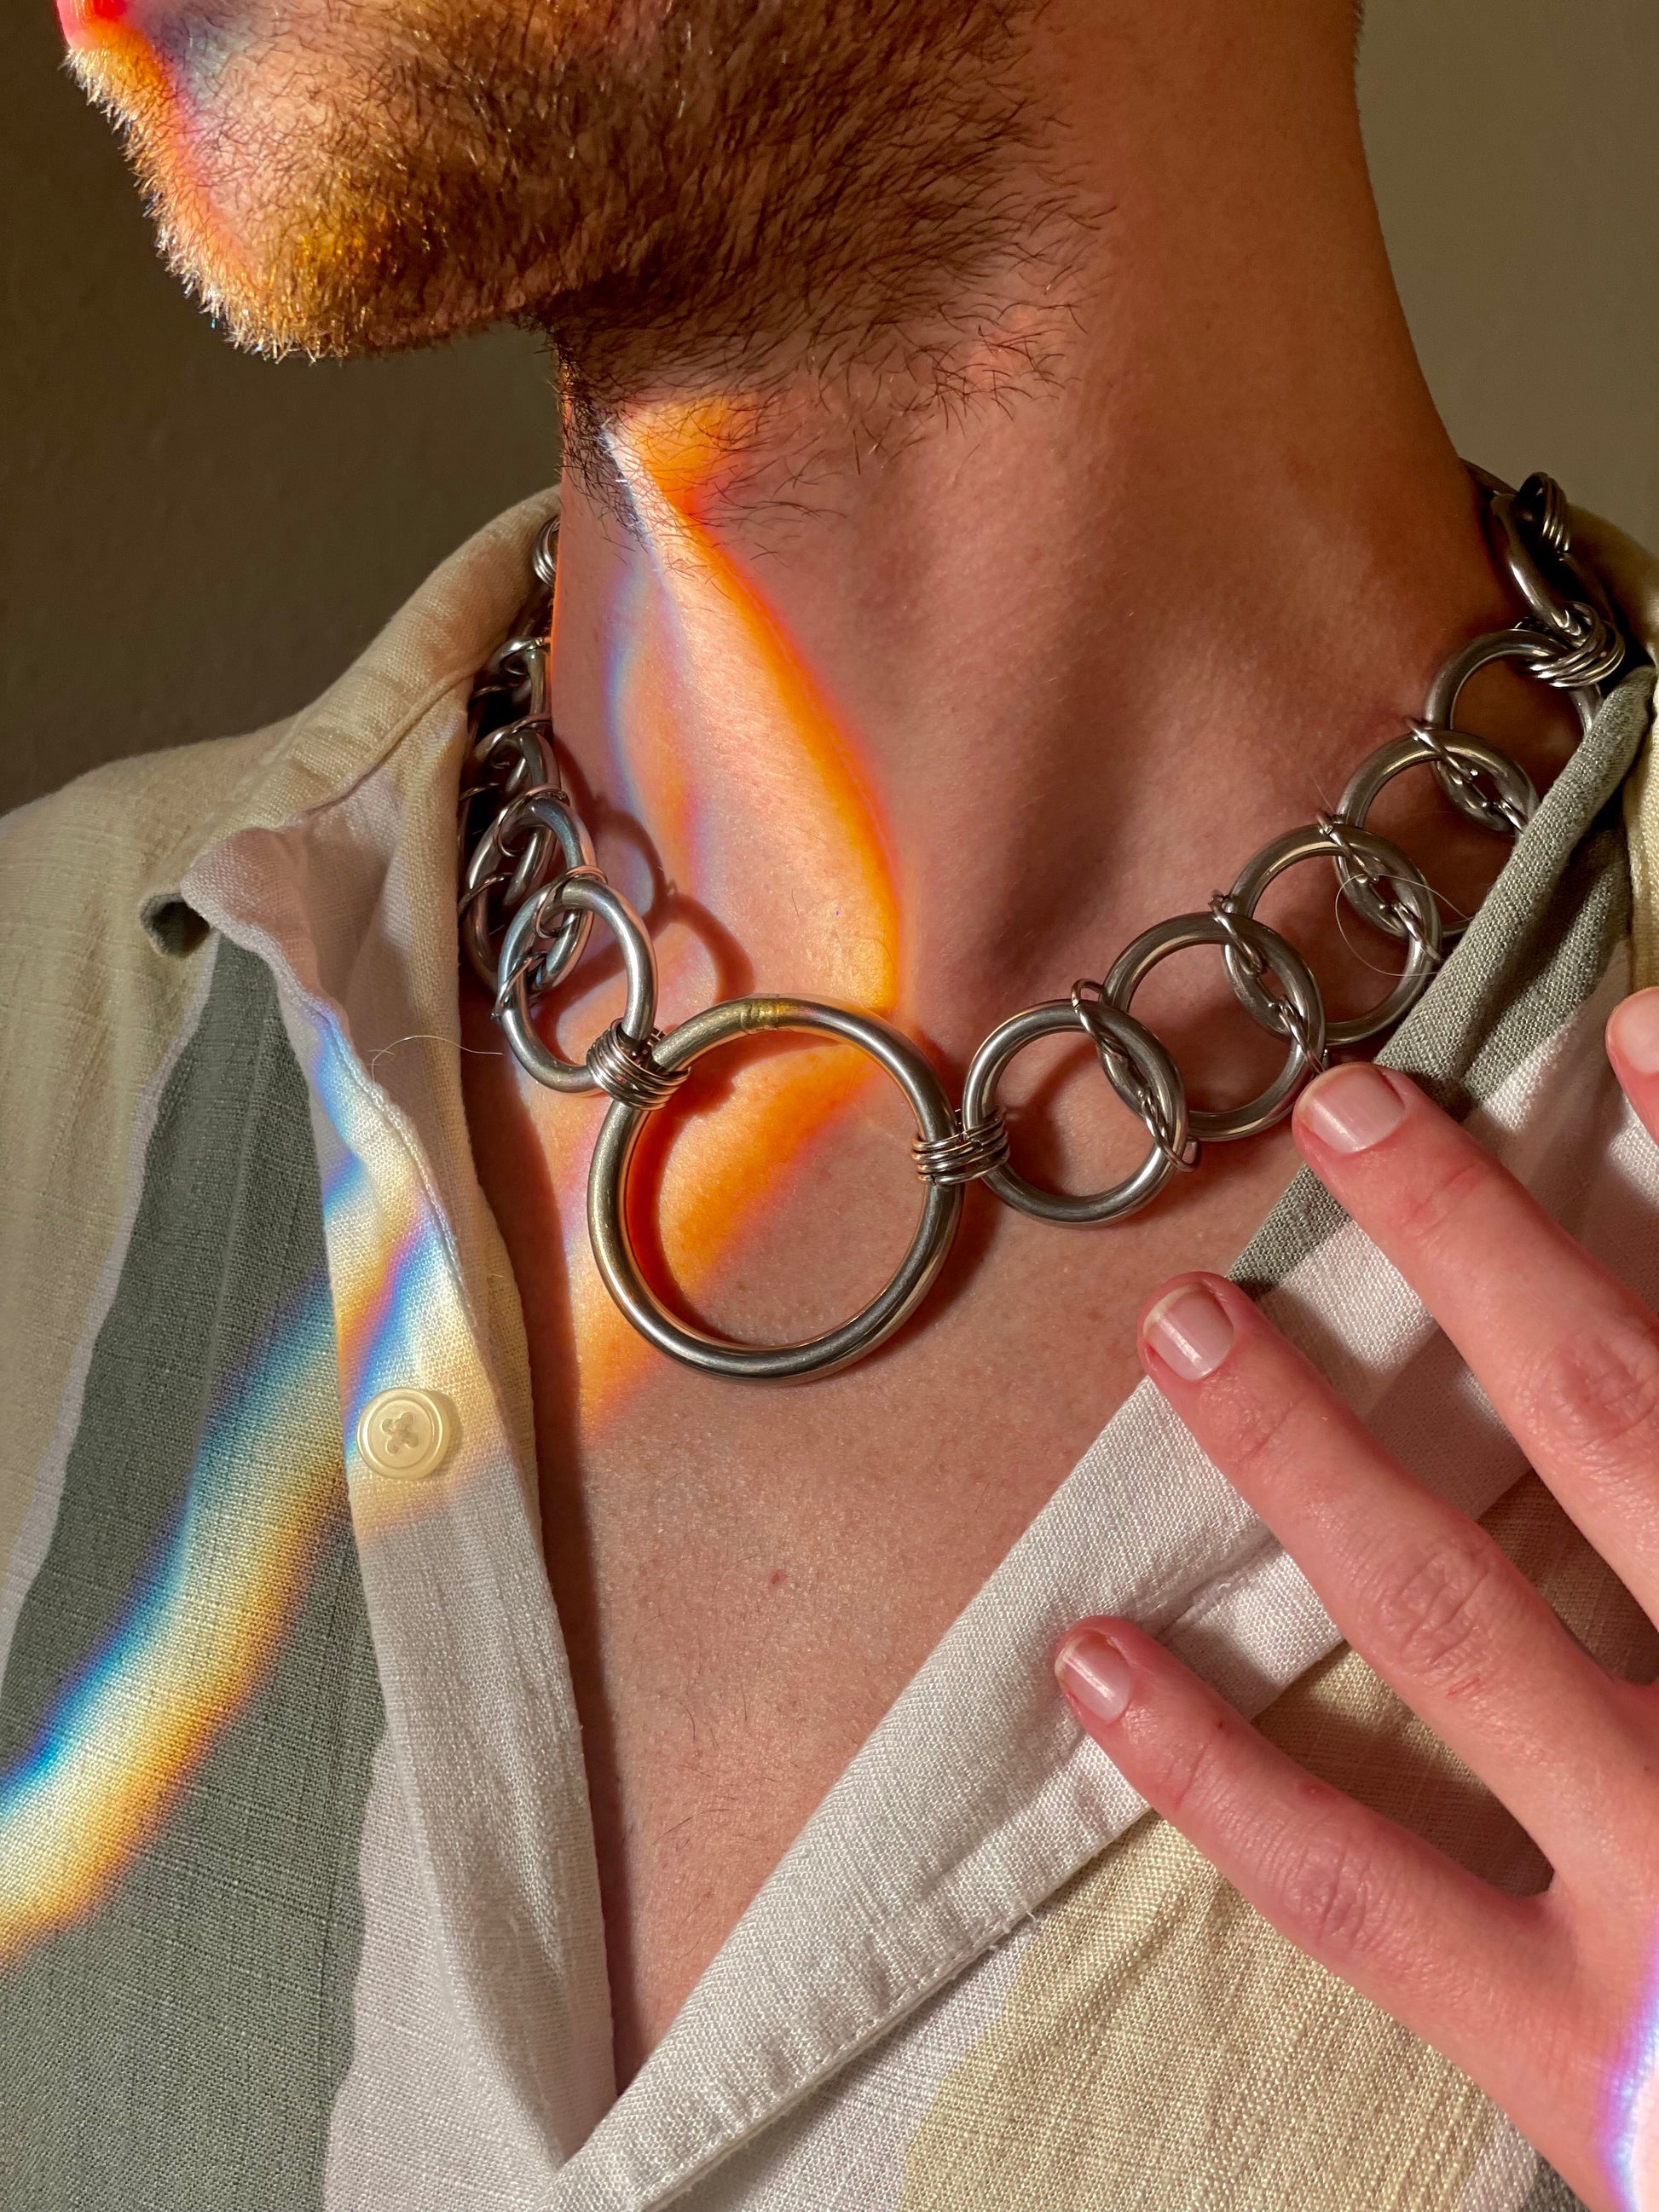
1415	1933
1425	1596
1567	1355
1633	1049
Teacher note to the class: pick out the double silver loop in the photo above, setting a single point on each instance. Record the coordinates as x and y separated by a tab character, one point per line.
1299	1014
517	671
1395	886
1532	528
1127	1072
607	1196
1541	656
518	851
544	556
514	759
1481	782
532	938
519	668
1153	1069
967	1154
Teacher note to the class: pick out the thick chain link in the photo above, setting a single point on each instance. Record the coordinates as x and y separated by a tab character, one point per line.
530	891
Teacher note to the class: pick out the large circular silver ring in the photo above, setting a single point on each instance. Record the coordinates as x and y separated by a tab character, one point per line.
1528	646
607	1197
1405	880
1157	1070
1136	962
577	894
549	829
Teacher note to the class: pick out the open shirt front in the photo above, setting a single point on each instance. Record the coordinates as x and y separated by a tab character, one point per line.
299	1905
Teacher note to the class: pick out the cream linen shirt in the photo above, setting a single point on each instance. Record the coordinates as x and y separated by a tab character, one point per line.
298	1897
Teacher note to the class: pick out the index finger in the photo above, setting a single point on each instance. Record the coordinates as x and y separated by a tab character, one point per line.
1633	1049
1569	1356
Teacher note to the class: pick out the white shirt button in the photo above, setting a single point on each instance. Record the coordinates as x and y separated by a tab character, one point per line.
407	1433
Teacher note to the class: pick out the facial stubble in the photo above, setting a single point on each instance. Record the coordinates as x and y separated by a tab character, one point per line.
676	192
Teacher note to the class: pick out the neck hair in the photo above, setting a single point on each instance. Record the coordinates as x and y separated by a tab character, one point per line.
817	247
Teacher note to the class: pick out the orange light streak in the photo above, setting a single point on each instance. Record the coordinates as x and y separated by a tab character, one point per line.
728	736
127	1737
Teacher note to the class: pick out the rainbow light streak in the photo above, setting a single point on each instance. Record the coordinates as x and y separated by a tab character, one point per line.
398	1314
98	23
1630	2130
708	696
154	64
644	694
125	1738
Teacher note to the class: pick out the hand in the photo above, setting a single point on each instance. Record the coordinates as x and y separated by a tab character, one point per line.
1551	2003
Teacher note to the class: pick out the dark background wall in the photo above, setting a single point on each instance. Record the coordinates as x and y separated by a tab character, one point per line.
195	543
1515	145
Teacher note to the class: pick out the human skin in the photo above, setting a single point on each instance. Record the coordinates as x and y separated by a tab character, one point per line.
1548	2000
1084	651
1104	564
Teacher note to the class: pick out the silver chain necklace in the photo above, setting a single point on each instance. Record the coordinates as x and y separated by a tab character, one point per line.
530	891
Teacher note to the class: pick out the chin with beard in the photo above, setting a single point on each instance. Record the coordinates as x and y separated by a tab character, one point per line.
677	191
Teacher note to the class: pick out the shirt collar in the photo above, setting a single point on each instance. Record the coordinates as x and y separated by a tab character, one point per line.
429	652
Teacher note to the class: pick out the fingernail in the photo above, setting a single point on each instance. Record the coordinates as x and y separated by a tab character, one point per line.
1634	1030
1094	1673
1190	1331
1352	1109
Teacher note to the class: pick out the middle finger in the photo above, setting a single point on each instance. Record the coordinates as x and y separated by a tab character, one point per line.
1569	1356
1417	1587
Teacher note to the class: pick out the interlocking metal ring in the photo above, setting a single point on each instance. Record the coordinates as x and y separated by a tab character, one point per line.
544	555
607	1197
1345	843
1300	1015
549	829
1507	511
1538	652
530	943
1150	1061
515	757
1533	525
519	667
1425	746
964	1156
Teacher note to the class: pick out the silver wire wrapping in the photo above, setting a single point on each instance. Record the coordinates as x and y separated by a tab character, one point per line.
965	1154
622	1067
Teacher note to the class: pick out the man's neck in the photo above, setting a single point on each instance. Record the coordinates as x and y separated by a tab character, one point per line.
933	712
930	711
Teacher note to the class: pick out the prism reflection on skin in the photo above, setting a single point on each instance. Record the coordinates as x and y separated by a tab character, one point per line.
719	740
1631	2127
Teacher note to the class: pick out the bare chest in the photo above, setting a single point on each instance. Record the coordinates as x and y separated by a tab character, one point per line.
747	1576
